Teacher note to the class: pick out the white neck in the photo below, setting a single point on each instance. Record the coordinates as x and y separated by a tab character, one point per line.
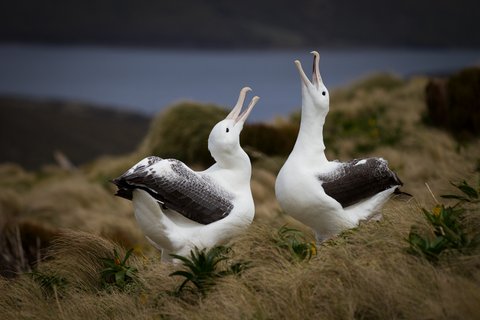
310	137
234	165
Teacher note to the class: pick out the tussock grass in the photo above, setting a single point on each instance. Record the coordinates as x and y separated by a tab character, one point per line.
188	142
23	245
364	273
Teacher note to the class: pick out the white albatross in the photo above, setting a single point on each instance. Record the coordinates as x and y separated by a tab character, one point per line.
328	196
178	208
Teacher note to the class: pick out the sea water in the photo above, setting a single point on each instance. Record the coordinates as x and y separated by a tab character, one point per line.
148	80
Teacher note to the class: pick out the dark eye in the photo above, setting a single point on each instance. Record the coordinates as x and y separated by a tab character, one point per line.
227	130
324	93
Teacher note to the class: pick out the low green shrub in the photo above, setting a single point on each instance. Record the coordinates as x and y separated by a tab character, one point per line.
449	229
202	268
116	272
294	241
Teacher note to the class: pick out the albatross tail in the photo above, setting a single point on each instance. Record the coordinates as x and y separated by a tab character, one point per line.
158	228
365	209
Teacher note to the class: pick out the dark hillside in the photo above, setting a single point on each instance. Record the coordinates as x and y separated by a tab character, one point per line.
31	131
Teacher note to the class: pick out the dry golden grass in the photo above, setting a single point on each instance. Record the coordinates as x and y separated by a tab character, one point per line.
364	273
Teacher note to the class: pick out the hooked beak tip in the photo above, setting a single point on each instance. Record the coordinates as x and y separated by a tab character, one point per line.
238	106
316	77
236	114
243	117
303	77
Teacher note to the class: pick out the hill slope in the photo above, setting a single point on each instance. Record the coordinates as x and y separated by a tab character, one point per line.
32	131
364	273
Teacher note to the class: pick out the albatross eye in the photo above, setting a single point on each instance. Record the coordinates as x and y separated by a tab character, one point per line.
227	130
324	93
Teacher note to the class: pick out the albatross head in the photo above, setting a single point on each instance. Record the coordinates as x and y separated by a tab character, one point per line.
224	140
314	93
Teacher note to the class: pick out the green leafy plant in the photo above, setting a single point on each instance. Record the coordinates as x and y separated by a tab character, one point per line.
448	233
116	272
448	230
295	242
202	267
471	194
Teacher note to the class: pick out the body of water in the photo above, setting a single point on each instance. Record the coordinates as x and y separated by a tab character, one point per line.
149	80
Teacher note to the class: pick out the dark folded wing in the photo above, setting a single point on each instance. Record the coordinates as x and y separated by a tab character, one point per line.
179	188
358	180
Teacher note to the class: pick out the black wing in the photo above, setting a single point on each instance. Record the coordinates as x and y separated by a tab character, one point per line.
178	188
359	179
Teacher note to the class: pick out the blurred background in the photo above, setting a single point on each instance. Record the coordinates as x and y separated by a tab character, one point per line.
89	88
142	56
110	66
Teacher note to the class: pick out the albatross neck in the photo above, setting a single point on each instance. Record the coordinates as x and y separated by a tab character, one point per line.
235	162
310	136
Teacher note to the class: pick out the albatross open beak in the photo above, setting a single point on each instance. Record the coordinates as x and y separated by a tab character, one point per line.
316	77
235	113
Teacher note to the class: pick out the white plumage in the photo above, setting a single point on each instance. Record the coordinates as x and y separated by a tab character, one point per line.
178	208
329	196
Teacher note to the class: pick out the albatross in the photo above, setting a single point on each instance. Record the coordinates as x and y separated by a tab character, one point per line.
328	196
178	208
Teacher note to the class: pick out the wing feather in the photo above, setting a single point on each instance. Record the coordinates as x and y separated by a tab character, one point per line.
178	188
358	180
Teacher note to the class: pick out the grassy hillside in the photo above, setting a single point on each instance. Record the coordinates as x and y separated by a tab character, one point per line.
71	220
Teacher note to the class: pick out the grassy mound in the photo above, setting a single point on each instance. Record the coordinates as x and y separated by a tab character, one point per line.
62	231
182	131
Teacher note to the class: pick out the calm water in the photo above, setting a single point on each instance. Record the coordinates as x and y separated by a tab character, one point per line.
149	80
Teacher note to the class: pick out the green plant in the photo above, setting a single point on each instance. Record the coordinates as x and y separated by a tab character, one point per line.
294	241
448	233
448	230
471	194
116	272
202	267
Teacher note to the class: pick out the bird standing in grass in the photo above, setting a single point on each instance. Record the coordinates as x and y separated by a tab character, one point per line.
328	196
178	208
